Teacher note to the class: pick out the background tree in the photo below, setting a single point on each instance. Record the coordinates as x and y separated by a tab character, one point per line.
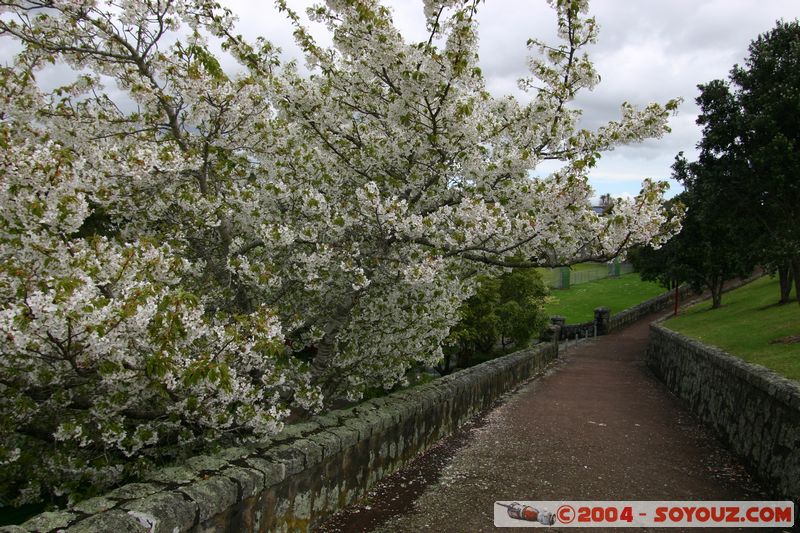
663	265
476	333
507	310
521	310
714	244
606	202
751	129
768	94
195	259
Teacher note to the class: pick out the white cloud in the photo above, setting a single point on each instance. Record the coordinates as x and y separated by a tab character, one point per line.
648	50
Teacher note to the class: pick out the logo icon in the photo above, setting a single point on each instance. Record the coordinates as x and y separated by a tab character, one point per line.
565	514
518	511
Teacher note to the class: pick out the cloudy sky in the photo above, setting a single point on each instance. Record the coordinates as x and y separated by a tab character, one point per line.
648	50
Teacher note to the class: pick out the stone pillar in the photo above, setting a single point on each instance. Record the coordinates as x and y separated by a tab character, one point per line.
552	334
552	330
558	323
602	319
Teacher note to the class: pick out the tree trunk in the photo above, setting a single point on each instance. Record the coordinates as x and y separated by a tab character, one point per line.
462	360
677	297
444	368
796	275
785	274
326	348
716	292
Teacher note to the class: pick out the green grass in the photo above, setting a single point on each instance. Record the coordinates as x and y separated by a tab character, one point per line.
579	301
745	324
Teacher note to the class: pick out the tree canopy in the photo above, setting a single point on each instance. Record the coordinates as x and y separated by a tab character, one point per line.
714	244
743	192
505	310
190	254
767	91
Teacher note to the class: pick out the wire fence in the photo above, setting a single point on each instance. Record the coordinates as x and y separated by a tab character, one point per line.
562	278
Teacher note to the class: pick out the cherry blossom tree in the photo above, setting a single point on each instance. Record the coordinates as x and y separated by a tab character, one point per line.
425	177
191	254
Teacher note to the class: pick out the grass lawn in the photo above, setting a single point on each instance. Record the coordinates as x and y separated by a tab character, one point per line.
579	301
746	323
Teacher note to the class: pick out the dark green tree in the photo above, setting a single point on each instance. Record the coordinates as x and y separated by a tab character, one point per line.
714	244
521	310
745	187
768	95
754	127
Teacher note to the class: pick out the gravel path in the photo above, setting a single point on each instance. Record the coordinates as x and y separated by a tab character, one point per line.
597	426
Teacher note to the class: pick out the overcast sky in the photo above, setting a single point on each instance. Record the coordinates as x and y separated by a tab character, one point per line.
648	50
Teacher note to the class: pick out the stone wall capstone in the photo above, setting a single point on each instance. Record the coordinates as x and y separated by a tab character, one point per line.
296	479
755	411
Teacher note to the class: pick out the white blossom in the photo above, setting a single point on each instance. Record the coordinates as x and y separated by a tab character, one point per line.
241	246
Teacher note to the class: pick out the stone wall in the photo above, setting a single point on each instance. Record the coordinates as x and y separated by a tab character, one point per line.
604	322
755	411
301	476
569	331
582	330
632	314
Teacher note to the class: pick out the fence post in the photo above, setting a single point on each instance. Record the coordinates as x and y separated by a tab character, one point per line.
602	319
565	277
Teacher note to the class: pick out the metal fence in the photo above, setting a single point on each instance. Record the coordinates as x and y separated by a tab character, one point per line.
562	278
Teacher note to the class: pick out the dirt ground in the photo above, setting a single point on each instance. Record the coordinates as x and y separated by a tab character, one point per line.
597	426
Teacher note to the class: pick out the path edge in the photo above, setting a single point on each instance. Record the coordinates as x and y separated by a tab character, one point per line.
752	409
